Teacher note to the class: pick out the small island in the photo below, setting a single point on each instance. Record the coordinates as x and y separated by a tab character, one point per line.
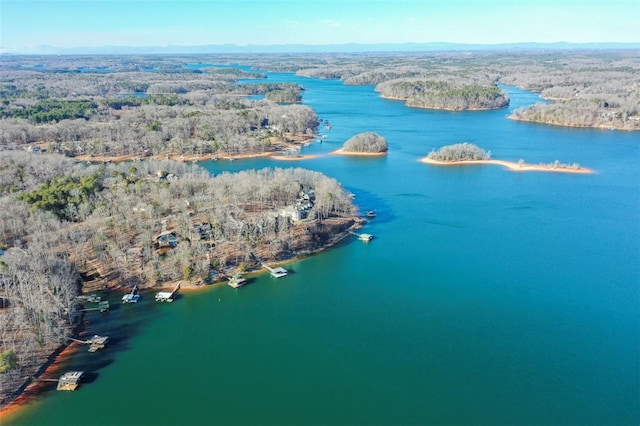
364	144
467	153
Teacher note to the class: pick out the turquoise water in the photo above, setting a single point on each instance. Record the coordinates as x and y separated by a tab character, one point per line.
486	297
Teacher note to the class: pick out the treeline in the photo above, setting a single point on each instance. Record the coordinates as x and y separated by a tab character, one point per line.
366	142
219	125
604	82
103	222
464	151
51	110
276	92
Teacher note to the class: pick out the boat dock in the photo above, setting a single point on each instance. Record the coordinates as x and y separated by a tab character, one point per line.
237	281
103	306
167	296
362	237
132	297
95	343
69	381
92	298
276	272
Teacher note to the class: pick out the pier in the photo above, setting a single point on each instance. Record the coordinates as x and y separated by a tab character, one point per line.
68	382
95	343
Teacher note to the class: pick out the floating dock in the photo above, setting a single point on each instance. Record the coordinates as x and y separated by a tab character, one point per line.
362	237
69	381
167	296
97	342
276	272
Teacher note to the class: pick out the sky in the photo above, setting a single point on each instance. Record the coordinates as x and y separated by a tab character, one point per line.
27	24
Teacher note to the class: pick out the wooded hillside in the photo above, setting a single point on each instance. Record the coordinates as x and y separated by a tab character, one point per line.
102	225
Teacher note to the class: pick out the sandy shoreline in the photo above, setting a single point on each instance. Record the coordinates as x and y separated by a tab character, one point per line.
341	151
292	157
513	166
278	150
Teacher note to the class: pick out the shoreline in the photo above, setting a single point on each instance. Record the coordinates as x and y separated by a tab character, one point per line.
341	151
510	165
405	100
573	126
292	157
196	158
31	388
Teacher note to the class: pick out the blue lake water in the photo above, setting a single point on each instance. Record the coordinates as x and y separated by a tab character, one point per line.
486	297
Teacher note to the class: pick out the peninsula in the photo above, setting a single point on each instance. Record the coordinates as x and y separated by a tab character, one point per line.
515	166
149	224
467	153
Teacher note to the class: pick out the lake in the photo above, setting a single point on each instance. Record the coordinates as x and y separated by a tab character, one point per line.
486	297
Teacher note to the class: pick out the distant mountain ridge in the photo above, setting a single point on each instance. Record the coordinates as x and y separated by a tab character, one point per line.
325	48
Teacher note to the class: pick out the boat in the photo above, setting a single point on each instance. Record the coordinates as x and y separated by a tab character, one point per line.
371	213
237	281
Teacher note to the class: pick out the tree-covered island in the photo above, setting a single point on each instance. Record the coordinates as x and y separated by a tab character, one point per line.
367	143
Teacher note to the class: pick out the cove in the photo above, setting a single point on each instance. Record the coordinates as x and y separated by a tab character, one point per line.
486	297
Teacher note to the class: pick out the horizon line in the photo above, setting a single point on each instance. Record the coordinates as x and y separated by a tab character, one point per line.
312	48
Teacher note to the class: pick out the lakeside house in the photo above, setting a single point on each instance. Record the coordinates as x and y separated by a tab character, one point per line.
166	239
300	210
